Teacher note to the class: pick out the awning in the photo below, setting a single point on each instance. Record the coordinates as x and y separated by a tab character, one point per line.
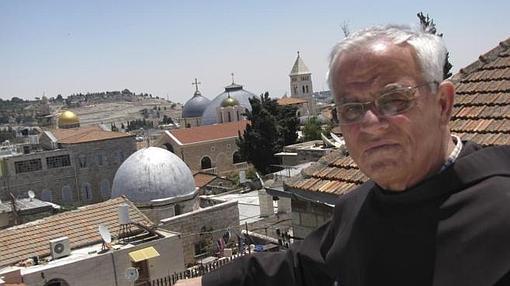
143	254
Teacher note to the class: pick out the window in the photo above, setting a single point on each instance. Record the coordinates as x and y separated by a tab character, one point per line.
177	209
100	159
58	161
105	189
238	115
46	196
229	117
28	166
295	90
86	192
67	194
205	163
82	159
303	88
56	282
237	158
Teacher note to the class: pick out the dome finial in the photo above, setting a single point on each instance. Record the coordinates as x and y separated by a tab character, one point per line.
232	74
298	53
196	83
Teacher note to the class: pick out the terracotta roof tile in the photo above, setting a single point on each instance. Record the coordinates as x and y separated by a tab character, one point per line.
335	173
85	134
80	226
202	179
209	132
482	104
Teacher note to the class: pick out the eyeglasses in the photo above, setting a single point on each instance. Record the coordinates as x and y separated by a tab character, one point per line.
397	100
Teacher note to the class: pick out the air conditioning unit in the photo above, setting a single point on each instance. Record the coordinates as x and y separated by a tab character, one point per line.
59	247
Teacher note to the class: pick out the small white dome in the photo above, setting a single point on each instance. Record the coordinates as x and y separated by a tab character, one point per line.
153	173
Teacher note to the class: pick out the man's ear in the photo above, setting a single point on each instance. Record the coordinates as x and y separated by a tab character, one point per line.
446	93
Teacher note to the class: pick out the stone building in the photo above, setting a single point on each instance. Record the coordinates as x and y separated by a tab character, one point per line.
73	166
301	86
210	148
162	187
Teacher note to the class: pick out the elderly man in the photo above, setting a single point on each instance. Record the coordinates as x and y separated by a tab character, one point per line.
436	210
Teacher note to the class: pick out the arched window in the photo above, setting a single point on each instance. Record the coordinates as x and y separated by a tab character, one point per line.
67	194
56	282
306	88
229	117
205	163
86	192
238	115
303	87
105	189
47	196
237	158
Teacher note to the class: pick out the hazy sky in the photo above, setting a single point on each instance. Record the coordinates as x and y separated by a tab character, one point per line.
159	47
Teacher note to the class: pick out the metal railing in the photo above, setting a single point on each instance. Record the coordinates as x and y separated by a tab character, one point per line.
193	272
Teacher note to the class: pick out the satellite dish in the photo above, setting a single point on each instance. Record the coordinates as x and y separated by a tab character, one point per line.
337	139
105	233
31	195
132	274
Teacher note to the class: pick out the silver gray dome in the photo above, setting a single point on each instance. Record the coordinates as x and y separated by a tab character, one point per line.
236	91
195	106
152	173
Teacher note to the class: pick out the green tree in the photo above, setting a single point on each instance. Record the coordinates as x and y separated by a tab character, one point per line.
427	24
312	129
270	128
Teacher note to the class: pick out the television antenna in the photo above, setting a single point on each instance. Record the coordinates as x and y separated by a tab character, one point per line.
132	274
105	236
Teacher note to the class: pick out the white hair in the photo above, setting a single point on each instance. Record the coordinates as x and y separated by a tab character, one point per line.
430	49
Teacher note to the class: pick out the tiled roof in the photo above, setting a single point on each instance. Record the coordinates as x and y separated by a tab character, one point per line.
202	179
209	132
80	226
85	134
482	104
334	173
290	101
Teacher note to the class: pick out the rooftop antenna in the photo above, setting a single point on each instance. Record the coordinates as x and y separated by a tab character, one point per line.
31	195
105	236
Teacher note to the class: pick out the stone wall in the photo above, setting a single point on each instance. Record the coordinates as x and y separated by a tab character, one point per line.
219	151
215	219
307	216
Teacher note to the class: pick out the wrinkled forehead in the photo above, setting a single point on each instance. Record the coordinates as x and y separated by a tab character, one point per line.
373	67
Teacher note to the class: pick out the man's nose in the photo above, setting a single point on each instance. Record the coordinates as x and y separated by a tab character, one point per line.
373	122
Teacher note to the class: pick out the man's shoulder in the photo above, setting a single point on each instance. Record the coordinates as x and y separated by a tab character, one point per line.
353	199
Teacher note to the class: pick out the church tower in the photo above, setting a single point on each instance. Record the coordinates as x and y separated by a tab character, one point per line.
301	85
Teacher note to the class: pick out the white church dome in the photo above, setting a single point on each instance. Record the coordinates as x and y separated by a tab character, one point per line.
153	173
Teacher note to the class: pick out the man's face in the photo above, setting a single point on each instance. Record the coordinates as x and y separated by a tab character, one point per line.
396	151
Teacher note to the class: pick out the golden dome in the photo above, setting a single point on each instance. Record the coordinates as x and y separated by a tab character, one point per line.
229	101
68	119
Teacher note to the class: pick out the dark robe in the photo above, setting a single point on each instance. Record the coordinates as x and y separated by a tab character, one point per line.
453	228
